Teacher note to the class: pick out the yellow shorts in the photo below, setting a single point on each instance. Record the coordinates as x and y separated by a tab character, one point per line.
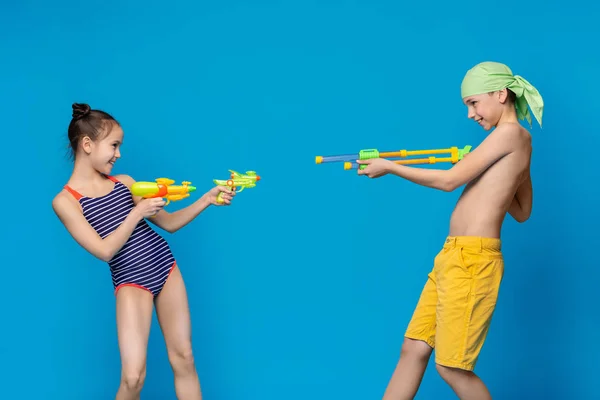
455	309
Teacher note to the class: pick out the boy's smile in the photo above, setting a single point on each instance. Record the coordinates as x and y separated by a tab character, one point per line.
483	109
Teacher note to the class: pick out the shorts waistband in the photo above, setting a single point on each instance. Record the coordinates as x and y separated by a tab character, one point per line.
473	242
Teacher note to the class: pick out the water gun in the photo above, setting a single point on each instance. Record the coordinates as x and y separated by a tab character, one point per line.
163	187
247	180
455	155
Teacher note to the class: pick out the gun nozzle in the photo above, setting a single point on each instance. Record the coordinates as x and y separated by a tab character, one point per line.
257	178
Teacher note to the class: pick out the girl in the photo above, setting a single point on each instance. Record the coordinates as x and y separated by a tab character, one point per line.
101	214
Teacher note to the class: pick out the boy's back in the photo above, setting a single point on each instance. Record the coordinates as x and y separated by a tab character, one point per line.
483	205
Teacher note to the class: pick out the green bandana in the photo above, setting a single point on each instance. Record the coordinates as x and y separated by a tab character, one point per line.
490	76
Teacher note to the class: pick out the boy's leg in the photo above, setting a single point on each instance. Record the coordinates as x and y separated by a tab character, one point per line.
465	384
469	276
409	371
417	347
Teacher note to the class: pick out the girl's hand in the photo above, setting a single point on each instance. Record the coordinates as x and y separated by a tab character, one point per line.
150	207
376	167
226	196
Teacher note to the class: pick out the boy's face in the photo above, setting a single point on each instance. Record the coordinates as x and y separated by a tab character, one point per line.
105	152
485	109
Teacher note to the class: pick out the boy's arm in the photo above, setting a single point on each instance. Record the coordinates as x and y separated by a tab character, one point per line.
503	141
522	204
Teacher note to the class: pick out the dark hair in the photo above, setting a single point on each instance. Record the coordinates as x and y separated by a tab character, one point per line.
510	95
94	124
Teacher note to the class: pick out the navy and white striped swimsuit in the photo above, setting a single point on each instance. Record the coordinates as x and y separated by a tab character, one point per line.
145	261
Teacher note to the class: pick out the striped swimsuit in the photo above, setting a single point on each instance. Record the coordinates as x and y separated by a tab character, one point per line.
145	261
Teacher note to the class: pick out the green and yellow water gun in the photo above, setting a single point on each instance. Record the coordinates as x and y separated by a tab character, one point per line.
243	181
454	155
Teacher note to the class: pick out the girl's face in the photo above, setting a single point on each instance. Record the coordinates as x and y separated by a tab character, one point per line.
105	152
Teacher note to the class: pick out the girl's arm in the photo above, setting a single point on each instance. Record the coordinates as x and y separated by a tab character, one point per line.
70	214
172	222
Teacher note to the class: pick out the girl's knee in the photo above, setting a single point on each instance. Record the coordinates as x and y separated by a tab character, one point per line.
133	379
182	359
415	349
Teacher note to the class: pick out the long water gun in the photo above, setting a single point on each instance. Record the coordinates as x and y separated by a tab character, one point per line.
455	155
163	187
247	180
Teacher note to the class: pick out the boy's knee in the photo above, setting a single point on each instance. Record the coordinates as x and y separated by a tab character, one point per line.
415	349
451	374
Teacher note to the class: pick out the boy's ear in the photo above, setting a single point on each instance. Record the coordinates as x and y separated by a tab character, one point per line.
503	95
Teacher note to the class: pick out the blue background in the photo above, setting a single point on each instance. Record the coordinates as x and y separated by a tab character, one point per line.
303	288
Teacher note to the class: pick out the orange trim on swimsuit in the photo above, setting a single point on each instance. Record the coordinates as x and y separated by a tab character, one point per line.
78	195
143	287
74	192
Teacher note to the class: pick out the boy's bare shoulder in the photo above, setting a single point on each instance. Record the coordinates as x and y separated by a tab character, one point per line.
513	133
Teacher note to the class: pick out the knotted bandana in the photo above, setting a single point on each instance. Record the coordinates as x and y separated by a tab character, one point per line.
491	76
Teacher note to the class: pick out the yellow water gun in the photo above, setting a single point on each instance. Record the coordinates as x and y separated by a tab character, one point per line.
163	187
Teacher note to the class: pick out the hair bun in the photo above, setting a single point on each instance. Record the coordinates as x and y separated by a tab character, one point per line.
80	110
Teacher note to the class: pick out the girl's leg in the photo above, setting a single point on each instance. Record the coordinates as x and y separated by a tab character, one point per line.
174	319
134	316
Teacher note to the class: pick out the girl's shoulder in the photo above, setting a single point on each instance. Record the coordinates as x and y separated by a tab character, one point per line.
66	201
124	179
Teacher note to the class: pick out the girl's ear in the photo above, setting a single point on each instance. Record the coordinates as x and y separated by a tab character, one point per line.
86	144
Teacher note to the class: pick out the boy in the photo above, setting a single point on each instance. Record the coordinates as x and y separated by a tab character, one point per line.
456	305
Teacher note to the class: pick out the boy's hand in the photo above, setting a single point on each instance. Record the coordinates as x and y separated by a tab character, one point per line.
376	167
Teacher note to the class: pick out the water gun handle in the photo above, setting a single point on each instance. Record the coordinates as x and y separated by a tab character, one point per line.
367	154
220	196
